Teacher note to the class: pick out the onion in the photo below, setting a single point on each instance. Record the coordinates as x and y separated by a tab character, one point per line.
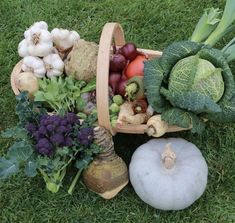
117	62
129	51
114	78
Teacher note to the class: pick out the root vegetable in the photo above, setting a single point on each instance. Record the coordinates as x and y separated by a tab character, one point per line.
108	173
156	126
126	115
117	62
26	81
140	106
114	78
129	51
121	89
81	61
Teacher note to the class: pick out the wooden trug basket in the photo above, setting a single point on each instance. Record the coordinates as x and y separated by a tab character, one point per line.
114	31
110	32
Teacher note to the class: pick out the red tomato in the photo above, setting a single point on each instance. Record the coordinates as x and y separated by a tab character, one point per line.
136	67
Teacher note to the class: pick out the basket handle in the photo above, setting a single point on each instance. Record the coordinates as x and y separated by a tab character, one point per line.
110	31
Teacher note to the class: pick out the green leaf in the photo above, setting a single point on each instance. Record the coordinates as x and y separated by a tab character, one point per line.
206	24
227	114
198	125
176	116
8	167
82	164
16	132
91	86
183	119
177	51
31	168
39	96
191	101
153	76
217	58
20	151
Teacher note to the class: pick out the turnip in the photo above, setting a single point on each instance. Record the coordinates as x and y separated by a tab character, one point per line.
26	81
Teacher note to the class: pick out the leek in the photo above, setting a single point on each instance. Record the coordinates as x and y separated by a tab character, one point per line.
206	24
225	25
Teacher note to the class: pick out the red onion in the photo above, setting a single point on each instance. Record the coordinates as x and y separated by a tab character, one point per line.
117	62
114	79
129	51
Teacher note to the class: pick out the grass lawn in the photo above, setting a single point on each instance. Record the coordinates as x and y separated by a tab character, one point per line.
150	24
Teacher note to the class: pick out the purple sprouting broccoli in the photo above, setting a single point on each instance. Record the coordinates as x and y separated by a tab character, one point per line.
68	141
31	128
42	130
57	139
44	147
85	136
72	118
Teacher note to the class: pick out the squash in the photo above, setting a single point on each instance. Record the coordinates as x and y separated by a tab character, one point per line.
168	174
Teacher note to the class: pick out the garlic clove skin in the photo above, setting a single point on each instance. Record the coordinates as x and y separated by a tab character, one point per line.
23	48
64	39
39	42
34	65
40	25
54	65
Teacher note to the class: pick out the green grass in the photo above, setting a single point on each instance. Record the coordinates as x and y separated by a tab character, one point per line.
150	24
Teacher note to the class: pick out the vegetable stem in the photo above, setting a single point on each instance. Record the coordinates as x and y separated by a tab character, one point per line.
206	25
225	26
71	188
131	90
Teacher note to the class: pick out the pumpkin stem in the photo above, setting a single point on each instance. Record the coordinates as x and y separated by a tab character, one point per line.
168	156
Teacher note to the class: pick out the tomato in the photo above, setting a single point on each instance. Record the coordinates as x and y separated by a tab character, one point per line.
136	67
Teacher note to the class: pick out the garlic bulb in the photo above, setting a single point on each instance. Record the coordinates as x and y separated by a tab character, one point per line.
40	25
39	42
64	39
34	65
54	65
23	49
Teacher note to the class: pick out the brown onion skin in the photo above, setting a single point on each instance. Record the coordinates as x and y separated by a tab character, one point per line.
129	51
117	62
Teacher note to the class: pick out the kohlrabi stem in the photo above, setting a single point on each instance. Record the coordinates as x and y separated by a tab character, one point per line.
70	191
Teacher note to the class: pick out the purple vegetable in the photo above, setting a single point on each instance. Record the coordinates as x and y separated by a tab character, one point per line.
114	78
117	62
129	51
85	136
